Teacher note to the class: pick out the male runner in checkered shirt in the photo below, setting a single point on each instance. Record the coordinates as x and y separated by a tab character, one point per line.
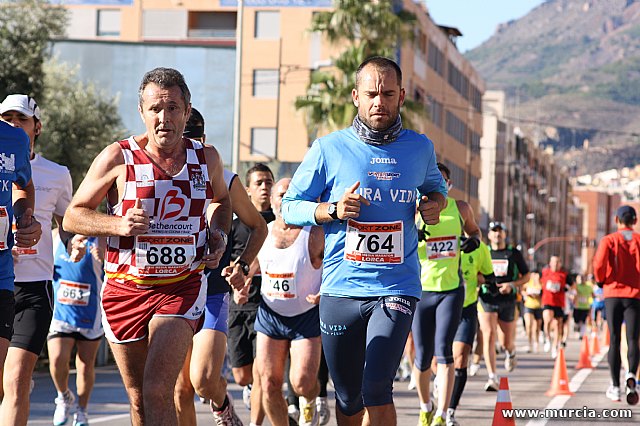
168	214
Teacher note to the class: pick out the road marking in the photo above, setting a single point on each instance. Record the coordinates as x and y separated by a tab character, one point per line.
578	379
93	420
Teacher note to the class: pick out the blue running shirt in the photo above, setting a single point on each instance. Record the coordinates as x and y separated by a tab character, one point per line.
375	255
14	168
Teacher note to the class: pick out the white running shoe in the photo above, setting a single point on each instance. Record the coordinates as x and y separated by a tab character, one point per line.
613	393
412	383
80	418
547	346
554	353
246	396
632	393
510	361
492	385
308	413
228	416
322	406
451	419
473	369
63	408
294	412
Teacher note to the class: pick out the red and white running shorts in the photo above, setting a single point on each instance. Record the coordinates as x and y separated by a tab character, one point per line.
128	309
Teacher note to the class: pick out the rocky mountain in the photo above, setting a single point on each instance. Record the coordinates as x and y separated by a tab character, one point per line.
571	69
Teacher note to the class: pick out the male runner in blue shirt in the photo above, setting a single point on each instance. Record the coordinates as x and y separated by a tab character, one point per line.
366	178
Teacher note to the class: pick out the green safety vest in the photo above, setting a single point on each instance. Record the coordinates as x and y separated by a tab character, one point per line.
440	254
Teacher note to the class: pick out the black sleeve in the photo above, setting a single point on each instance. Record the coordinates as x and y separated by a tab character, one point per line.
523	268
239	236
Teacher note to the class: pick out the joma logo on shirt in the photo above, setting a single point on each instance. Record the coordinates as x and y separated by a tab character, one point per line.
383	160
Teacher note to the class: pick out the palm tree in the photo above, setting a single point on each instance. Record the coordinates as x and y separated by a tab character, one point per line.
367	28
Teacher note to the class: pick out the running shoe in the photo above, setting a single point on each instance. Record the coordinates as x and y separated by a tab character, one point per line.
451	417
80	418
322	406
473	369
294	413
438	421
308	413
613	393
632	393
228	416
547	345
492	385
412	383
510	361
426	417
246	396
63	408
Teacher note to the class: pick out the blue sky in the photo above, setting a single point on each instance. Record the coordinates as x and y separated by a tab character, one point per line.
477	19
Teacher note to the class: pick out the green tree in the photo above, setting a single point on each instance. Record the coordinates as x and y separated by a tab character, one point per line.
26	26
368	29
78	120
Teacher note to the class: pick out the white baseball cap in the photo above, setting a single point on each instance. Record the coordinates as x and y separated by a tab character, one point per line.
21	103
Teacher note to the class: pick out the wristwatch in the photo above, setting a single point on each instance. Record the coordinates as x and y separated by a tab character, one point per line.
332	211
244	266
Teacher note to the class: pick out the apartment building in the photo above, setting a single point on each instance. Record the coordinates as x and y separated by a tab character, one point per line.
277	56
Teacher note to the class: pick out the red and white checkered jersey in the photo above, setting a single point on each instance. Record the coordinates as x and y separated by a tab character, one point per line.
173	248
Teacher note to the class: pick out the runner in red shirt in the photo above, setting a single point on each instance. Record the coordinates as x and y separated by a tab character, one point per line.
616	267
554	283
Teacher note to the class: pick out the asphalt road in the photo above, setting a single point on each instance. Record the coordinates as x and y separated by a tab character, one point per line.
528	384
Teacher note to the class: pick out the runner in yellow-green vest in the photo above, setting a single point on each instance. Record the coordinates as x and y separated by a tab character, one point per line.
582	305
439	311
476	269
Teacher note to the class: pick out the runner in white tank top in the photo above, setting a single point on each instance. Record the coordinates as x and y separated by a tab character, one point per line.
288	321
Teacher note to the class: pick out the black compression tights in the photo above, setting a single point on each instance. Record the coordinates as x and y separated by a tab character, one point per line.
619	309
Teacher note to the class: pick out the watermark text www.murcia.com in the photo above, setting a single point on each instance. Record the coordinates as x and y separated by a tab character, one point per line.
569	413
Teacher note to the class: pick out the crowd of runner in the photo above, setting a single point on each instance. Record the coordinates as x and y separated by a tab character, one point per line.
359	269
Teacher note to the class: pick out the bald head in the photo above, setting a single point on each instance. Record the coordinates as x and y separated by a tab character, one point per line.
277	192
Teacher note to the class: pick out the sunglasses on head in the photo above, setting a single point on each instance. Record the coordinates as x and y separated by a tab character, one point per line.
496	226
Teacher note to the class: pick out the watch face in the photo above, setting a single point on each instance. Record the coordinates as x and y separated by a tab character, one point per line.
331	209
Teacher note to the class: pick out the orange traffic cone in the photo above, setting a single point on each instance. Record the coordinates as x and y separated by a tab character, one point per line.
585	357
560	380
503	402
595	344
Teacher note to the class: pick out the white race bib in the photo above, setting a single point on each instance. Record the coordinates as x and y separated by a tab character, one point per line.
552	286
164	255
374	242
500	267
439	248
73	293
279	286
4	228
534	291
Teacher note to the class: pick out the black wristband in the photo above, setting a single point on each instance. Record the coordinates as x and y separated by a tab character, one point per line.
334	215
